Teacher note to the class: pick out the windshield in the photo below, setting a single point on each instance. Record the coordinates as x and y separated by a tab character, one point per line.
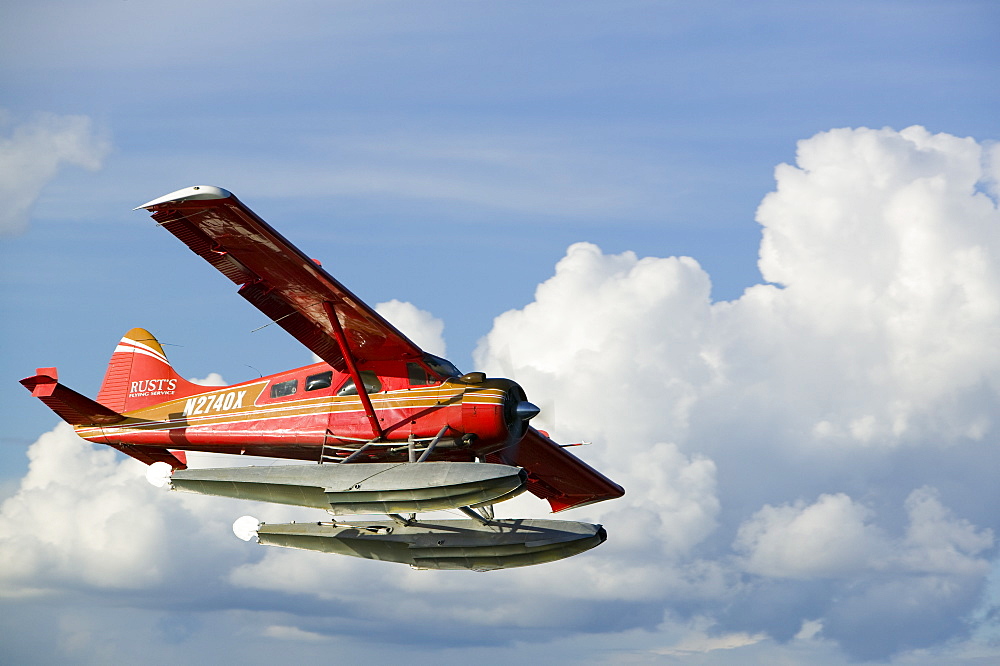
441	366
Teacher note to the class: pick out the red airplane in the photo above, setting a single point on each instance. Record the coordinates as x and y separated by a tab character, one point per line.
375	399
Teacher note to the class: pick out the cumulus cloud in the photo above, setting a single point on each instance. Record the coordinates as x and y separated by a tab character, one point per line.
834	537
610	334
421	326
831	537
676	504
874	336
32	154
73	521
803	464
84	518
212	379
887	261
937	542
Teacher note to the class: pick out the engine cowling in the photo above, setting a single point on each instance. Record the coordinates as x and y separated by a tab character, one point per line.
497	412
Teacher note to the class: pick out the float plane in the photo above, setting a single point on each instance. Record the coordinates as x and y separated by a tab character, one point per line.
392	430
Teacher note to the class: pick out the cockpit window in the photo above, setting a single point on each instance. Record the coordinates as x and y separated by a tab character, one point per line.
418	375
441	366
281	389
371	380
319	381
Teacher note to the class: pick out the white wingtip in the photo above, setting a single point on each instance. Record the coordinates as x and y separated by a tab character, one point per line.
246	527
189	194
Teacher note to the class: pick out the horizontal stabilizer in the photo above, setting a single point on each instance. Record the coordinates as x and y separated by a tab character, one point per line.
72	407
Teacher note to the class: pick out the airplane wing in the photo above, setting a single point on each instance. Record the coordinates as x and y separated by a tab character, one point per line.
276	277
556	475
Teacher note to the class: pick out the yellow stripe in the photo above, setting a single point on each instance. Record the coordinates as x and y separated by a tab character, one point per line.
400	399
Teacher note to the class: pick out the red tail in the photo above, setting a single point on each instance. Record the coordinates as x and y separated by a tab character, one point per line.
139	375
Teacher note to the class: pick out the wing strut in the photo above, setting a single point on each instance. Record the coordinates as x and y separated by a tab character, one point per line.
352	368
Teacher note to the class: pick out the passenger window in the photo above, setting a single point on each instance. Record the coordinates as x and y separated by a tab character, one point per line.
417	375
320	381
372	384
281	389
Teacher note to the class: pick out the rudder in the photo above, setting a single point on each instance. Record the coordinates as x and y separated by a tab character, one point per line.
139	375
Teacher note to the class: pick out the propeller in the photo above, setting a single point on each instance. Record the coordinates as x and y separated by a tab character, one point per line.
517	412
526	410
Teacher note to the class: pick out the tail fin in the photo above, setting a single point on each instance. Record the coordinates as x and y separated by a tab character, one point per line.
139	375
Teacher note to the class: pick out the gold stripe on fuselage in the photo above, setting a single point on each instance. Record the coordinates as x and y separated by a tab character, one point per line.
171	414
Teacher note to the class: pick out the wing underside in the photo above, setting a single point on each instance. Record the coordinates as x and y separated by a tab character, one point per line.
276	277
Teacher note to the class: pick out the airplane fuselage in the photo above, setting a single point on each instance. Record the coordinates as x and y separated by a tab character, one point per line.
315	410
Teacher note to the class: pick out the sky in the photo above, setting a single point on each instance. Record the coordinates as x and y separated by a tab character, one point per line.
751	251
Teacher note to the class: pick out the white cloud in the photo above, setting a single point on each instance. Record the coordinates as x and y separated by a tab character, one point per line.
84	517
671	502
212	379
419	325
939	543
831	537
879	337
888	261
991	169
835	537
286	633
610	334
704	643
75	520
33	153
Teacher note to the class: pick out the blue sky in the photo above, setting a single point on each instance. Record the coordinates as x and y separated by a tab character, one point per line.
448	154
